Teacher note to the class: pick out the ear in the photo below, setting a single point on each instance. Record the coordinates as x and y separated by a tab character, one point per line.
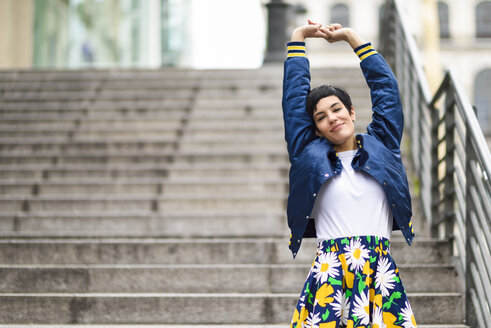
318	133
353	114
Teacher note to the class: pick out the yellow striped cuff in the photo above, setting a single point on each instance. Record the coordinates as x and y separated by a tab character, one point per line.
368	54
365	50
362	50
296	54
296	48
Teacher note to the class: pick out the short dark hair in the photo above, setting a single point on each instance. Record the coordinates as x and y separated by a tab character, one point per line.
324	91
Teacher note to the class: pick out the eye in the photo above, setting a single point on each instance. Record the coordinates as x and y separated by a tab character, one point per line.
320	118
337	109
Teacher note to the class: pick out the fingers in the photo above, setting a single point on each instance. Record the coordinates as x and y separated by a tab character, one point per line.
336	26
334	33
318	25
317	30
328	33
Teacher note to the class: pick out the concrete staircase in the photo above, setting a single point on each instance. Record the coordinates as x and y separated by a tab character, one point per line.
158	197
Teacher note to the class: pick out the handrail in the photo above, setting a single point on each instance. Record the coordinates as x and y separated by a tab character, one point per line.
452	160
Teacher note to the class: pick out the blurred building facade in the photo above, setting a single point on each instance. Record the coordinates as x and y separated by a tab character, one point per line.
51	34
463	39
75	34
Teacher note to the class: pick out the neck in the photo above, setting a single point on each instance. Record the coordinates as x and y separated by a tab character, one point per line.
350	144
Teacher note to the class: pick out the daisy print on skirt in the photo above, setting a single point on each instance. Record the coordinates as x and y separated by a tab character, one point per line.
353	283
326	267
356	254
384	279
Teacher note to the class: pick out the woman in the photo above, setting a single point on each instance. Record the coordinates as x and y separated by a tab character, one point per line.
349	191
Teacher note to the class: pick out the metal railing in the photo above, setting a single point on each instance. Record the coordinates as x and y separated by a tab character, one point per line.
452	160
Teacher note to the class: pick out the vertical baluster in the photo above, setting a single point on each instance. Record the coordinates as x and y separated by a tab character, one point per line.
435	188
468	285
449	182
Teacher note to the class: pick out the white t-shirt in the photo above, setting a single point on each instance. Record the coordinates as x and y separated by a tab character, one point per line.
351	204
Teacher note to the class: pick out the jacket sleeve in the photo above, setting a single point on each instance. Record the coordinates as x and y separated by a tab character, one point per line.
387	117
296	86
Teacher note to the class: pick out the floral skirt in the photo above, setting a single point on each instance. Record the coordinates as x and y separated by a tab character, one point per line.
353	283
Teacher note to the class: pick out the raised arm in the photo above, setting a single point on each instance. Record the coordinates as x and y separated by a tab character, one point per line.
299	130
387	118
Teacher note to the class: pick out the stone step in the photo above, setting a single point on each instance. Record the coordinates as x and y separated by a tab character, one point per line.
133	92
178	130
139	124
111	116
193	278
18	172
111	109
203	120
190	326
240	202
164	80
202	79
185	223
69	134
266	136
99	94
248	308
126	99
160	79
216	156
64	146
192	251
183	186
142	202
129	77
70	100
78	117
137	112
84	106
25	122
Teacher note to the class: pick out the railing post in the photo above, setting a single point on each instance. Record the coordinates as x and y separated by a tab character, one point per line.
449	183
470	318
435	192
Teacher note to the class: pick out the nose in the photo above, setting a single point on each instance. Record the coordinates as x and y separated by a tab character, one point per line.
332	118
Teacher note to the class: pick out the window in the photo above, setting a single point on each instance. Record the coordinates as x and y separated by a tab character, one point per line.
340	14
482	99
483	20
443	19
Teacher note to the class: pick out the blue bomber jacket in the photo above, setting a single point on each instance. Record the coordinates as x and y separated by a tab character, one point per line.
313	159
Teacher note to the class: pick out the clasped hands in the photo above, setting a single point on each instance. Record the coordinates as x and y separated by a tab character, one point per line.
331	33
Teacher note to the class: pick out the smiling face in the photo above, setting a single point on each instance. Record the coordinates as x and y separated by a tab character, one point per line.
335	123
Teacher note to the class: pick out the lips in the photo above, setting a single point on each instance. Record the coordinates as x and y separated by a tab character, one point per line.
336	127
